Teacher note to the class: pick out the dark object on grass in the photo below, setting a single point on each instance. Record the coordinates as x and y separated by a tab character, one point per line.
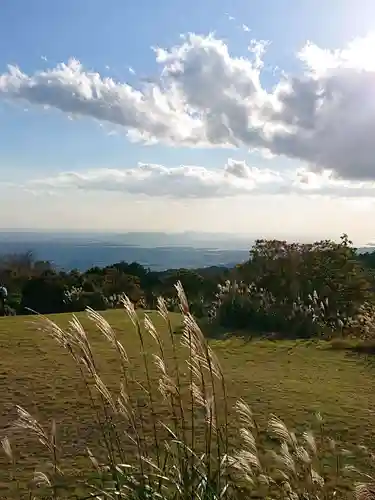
3	296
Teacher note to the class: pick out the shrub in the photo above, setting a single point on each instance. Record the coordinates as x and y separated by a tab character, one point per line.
242	306
44	294
14	302
78	299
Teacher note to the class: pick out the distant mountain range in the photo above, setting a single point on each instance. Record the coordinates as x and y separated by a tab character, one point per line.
158	251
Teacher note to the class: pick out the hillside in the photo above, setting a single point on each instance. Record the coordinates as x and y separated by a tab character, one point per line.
291	379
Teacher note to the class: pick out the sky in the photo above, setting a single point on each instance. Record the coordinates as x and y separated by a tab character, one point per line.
244	116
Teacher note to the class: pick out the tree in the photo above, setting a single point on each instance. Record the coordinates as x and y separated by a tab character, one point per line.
293	281
44	294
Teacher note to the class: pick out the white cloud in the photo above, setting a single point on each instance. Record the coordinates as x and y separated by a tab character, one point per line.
147	113
238	168
188	182
204	96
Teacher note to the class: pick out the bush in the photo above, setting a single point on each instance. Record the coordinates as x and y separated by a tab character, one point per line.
241	306
44	294
77	299
172	463
14	301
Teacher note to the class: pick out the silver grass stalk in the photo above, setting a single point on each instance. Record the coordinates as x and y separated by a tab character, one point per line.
5	443
245	413
26	421
41	479
278	429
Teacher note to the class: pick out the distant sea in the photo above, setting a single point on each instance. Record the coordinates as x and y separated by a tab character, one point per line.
70	251
157	251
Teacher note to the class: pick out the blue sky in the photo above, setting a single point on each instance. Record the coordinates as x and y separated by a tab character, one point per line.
218	158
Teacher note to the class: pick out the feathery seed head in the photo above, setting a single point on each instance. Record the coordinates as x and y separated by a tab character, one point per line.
129	308
302	455
247	462
102	324
319	417
160	364
245	413
102	388
197	394
150	328
26	421
310	440
184	304
210	411
277	427
41	479
248	439
162	308
5	443
285	459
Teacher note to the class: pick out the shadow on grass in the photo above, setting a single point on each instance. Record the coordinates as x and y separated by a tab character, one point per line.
214	331
217	332
361	349
354	345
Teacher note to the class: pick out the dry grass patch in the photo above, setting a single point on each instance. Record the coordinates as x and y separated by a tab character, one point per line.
290	379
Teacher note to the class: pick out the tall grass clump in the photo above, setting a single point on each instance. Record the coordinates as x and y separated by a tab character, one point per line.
190	454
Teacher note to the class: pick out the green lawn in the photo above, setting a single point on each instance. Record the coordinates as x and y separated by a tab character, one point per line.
290	379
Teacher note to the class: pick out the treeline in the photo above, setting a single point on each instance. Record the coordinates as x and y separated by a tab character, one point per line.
36	286
294	289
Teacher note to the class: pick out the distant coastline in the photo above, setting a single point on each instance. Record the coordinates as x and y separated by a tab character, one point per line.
82	252
158	251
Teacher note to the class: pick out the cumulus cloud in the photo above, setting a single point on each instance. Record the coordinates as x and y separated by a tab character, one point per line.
184	182
204	96
238	169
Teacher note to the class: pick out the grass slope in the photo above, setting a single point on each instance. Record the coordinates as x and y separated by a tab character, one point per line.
291	379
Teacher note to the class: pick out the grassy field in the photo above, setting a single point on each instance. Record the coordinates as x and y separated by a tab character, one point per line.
291	379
